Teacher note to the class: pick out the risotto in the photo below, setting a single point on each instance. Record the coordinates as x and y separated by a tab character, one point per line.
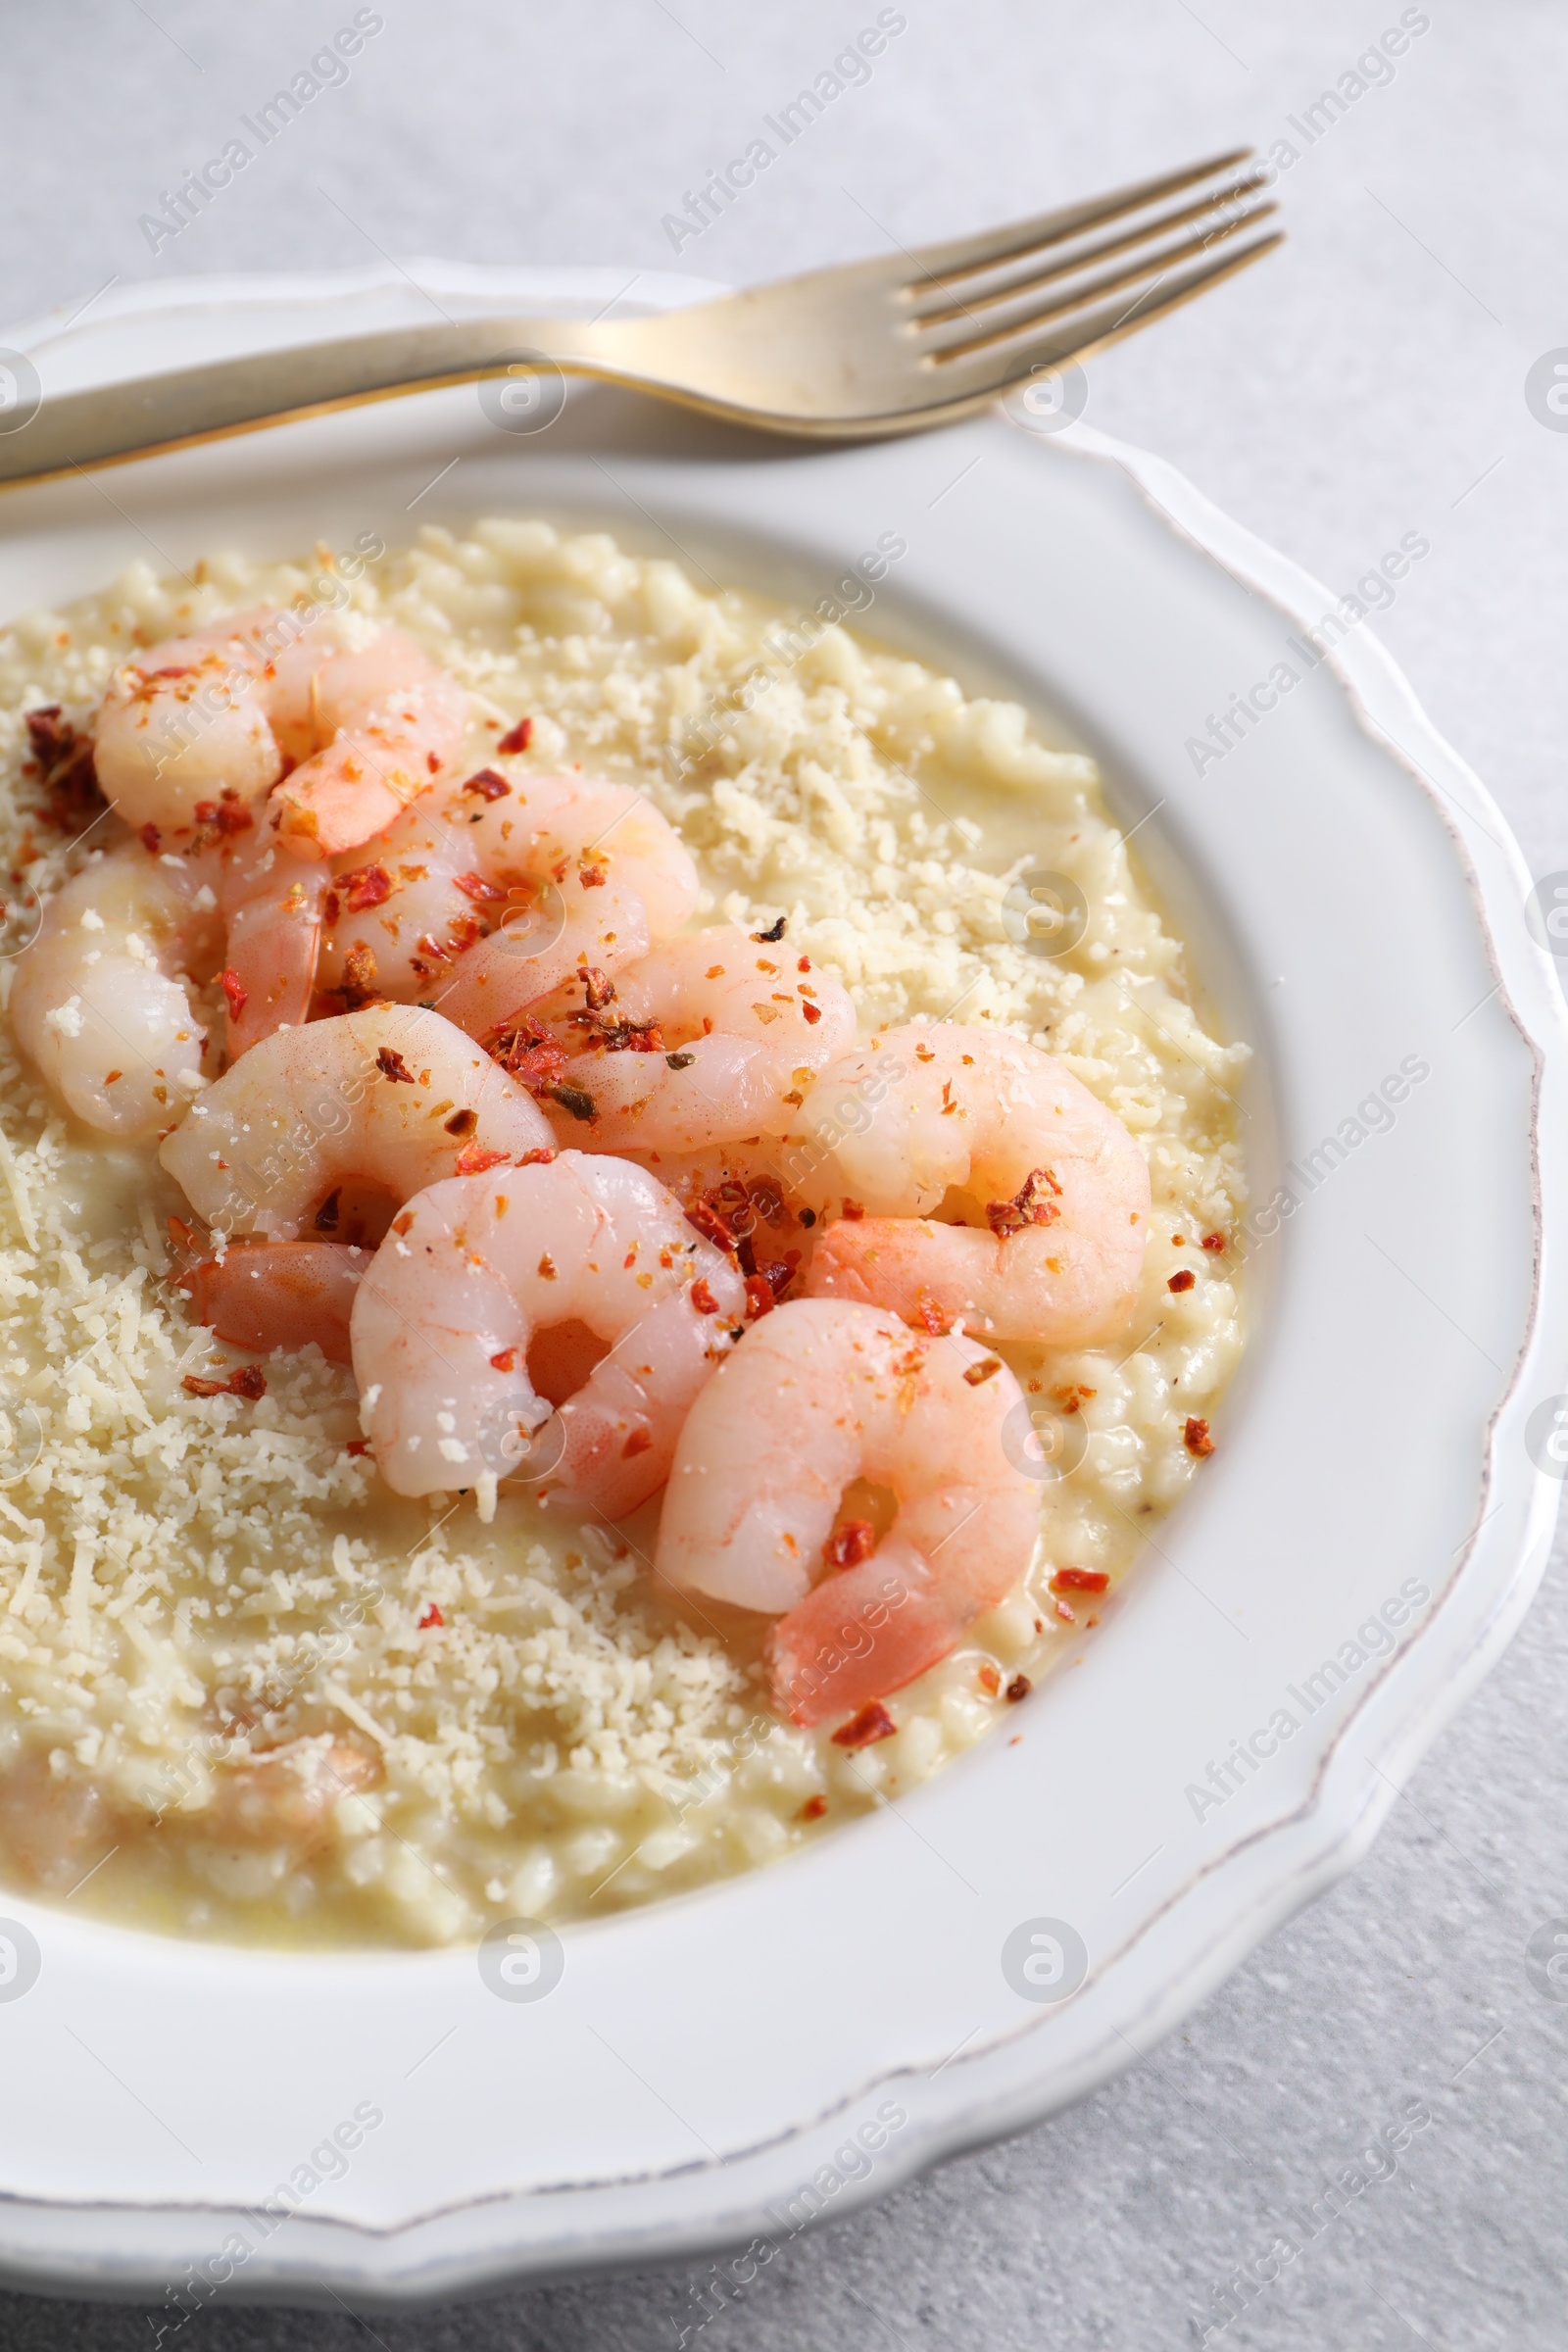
200	1568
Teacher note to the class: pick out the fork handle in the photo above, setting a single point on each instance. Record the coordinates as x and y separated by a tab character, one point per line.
144	415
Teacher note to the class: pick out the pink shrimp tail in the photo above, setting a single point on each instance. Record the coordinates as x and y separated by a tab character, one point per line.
268	1295
859	1634
844	1262
274	938
339	807
377	761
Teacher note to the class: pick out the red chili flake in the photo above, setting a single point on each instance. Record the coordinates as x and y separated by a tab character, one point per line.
462	1122
432	1616
368	885
47	731
638	1441
487	784
872	1722
473	1160
150	838
1020	1687
1027	1205
592	877
702	1298
205	811
361	981
613	1032
848	1545
1078	1580
813	1809
518	738
506	1361
249	1380
231	814
635	1037
357	1445
932	1318
1197	1437
1071	1397
391	1064
540	1157
66	763
852	1211
990	1679
987	1369
760	1299
403	1223
1216	1241
235	989
812	1013
706	1220
1182	1280
110	1076
475	886
528	1053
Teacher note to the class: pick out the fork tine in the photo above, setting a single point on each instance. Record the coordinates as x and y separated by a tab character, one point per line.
1011	289
986	334
962	256
987	373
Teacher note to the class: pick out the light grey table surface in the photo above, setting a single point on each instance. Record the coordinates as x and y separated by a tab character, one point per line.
1368	381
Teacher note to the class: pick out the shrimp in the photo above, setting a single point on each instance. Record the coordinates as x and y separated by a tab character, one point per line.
268	1295
272	910
389	722
362	727
711	1039
185	719
477	1270
286	1796
389	1098
490	898
900	1126
817	1399
100	1000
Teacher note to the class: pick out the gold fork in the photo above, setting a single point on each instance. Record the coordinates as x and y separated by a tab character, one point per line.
891	345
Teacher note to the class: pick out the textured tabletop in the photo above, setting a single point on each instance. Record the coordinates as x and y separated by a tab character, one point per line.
1368	381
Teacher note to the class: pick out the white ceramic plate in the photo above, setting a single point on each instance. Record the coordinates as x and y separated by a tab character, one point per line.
711	2072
